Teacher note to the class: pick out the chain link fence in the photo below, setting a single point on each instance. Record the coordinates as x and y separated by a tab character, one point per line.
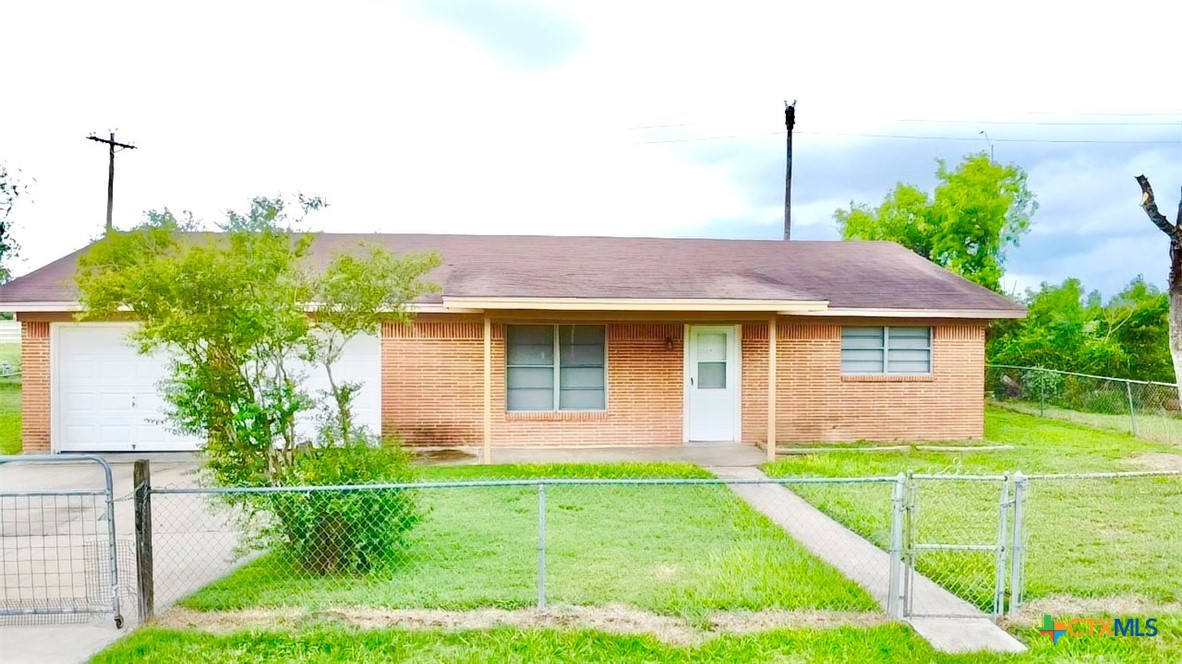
686	549
59	555
1141	408
673	553
1094	543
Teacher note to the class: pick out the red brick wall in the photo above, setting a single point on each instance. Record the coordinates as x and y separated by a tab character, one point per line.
35	387
815	402
432	382
432	389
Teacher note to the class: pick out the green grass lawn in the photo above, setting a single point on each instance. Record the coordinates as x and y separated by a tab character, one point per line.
10	418
1162	428
886	643
1092	538
681	550
10	402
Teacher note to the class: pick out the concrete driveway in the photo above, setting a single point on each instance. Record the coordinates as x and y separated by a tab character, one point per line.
54	551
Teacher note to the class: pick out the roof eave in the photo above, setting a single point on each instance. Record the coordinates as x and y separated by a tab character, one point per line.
855	312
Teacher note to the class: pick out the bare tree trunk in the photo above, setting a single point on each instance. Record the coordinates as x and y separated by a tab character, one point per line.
1176	335
1174	232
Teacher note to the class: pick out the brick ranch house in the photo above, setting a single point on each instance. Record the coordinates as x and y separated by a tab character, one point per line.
585	341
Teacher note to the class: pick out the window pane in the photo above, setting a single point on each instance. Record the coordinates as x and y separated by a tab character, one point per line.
530	355
581	334
526	345
575	377
861	337
909	361
530	377
530	334
911	337
711	347
581	399
527	399
711	375
861	361
582	355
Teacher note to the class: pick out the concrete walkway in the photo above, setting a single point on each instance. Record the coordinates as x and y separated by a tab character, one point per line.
869	566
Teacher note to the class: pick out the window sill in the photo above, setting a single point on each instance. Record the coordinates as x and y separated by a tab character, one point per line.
556	416
888	378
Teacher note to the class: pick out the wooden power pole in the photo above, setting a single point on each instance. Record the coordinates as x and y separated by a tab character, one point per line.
789	122
111	144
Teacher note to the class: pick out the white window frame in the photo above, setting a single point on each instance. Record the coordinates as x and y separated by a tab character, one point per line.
557	386
886	351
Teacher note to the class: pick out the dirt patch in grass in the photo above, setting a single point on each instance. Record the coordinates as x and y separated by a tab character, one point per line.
614	619
1117	605
1158	461
442	456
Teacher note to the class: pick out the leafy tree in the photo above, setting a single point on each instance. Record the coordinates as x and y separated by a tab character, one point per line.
977	210
232	308
1070	330
355	295
11	189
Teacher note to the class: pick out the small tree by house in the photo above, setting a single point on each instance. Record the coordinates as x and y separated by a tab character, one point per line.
232	309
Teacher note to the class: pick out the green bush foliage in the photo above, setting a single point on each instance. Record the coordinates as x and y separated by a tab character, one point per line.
343	531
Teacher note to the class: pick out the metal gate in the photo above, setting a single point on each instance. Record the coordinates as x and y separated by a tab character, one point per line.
57	540
953	546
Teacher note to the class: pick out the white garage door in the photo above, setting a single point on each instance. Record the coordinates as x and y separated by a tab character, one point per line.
105	396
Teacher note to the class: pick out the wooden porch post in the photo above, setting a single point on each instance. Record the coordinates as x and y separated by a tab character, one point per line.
771	389
486	455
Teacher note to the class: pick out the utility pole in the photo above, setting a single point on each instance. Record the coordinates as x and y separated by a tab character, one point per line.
789	122
111	144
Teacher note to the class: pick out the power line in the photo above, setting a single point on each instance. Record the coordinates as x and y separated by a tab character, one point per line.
914	137
1051	123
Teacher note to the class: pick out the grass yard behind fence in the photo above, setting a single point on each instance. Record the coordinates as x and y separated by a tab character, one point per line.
681	550
1166	428
10	418
1086	538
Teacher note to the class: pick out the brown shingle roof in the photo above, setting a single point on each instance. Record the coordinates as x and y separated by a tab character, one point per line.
862	275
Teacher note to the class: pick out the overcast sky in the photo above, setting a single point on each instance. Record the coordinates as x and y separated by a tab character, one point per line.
595	118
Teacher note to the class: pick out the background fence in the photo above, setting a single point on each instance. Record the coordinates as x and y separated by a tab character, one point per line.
1142	408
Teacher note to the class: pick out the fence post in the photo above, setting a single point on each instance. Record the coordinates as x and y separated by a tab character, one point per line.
910	516
999	589
142	479
895	589
1017	548
541	545
1132	409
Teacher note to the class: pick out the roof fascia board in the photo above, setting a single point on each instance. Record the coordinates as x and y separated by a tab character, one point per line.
912	313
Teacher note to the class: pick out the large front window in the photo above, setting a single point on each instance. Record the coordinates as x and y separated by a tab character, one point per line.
539	379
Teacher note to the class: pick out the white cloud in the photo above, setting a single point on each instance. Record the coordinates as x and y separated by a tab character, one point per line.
411	124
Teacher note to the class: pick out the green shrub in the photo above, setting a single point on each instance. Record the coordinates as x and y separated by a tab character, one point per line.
344	531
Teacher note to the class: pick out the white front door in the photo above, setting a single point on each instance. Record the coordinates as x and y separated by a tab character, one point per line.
712	383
